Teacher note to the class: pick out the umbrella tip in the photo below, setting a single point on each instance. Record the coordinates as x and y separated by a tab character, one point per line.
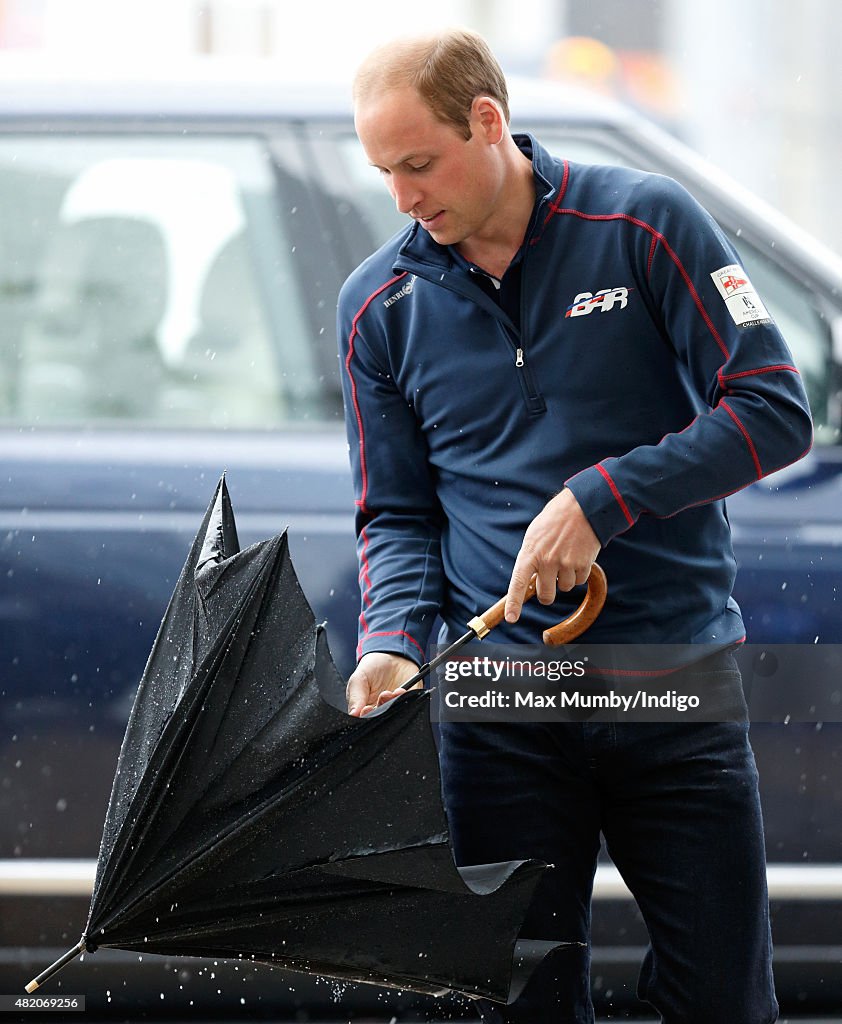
38	981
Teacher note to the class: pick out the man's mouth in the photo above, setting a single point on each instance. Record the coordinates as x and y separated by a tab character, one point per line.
430	221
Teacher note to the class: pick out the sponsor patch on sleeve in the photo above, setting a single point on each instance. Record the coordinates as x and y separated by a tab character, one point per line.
742	300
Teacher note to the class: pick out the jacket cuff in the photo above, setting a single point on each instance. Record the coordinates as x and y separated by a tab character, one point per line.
392	642
601	501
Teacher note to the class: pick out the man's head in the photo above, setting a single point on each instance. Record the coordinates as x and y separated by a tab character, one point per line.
432	115
447	70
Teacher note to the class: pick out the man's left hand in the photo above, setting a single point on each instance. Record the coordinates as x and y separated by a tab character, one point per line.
560	546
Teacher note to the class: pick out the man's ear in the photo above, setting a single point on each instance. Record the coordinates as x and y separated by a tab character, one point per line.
487	119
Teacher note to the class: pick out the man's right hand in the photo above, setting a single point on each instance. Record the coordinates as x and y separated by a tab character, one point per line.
376	679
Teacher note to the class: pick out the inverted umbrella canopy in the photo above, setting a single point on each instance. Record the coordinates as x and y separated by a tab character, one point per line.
250	818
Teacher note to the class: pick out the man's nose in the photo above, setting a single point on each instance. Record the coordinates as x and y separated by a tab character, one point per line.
406	194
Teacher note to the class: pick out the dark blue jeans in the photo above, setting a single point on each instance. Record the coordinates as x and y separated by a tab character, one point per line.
678	805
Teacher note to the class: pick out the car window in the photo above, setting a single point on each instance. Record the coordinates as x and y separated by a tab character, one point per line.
791	305
152	280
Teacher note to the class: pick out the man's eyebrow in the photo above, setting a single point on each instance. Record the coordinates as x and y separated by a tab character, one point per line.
404	160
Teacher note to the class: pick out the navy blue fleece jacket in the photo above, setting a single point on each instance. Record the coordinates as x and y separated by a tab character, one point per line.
644	374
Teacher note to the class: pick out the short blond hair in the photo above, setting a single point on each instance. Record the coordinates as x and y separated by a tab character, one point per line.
448	70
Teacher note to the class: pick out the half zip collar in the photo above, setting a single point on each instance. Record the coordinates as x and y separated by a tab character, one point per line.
447	274
422	255
457	277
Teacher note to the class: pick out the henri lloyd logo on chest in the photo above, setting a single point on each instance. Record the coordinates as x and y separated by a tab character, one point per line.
400	293
605	300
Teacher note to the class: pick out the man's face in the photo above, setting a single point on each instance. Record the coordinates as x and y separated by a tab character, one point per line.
448	184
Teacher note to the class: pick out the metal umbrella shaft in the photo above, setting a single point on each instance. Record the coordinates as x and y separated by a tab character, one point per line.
71	954
428	666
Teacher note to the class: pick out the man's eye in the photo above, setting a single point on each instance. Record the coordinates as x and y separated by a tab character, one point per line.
419	167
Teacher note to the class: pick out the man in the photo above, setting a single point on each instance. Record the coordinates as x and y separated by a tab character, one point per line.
554	361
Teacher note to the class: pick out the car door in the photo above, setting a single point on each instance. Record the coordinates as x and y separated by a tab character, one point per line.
167	302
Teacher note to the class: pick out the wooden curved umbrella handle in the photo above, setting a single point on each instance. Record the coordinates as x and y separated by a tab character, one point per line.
562	633
566	630
584	616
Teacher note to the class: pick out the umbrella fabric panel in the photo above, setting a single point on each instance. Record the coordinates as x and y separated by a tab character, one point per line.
332	808
369	929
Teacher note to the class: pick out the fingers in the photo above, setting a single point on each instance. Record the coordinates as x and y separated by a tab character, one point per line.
378	674
582	574
384	698
357	693
521	575
548	581
559	547
569	578
546	585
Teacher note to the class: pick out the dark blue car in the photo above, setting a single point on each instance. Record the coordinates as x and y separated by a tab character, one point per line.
170	257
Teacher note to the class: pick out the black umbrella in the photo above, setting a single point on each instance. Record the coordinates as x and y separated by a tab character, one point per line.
251	818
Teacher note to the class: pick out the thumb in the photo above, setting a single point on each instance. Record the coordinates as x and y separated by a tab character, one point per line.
356	693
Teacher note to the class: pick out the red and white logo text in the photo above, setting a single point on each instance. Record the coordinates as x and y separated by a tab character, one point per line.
604	300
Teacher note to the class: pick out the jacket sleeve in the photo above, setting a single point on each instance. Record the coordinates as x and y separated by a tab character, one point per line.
754	416
398	517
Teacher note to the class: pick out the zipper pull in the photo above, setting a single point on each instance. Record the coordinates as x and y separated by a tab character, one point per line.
519	357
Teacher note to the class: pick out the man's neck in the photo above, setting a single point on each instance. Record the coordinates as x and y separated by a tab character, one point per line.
494	248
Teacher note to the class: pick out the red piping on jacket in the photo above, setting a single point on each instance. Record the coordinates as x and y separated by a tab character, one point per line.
361	501
348	358
618	497
746	435
723	377
670	252
391	632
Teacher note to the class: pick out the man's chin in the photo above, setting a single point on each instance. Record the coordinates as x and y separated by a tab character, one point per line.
443	235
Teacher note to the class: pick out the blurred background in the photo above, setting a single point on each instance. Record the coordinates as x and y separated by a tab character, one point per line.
754	85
